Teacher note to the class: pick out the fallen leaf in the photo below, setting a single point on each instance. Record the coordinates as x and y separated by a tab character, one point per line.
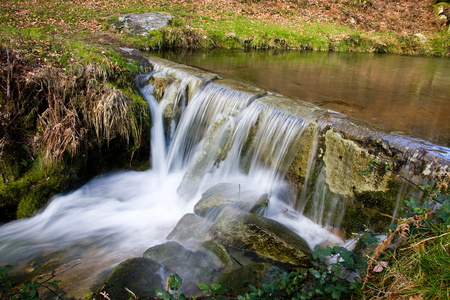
378	268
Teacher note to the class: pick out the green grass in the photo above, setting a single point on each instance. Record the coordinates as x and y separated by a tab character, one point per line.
65	20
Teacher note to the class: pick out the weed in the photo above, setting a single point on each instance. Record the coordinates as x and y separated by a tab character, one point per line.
29	290
415	254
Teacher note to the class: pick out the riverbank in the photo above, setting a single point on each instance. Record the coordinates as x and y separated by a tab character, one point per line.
407	27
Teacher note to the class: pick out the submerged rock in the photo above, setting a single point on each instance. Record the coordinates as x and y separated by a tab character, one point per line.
263	236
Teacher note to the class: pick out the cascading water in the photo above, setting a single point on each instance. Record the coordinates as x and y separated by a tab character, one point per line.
119	215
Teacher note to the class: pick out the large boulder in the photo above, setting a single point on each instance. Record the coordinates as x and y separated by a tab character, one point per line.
263	236
256	274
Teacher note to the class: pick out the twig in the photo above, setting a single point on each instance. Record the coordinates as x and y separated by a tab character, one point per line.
63	271
425	240
389	216
8	78
236	260
400	175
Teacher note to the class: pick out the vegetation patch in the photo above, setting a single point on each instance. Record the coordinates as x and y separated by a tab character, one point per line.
62	104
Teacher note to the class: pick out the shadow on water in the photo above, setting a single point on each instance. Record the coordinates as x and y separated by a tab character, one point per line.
408	95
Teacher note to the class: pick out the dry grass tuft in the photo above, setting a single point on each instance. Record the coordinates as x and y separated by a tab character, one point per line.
110	115
70	109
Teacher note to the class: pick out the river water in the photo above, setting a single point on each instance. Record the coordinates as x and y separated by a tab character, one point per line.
403	94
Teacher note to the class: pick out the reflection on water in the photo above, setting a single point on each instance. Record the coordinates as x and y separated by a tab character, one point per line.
409	95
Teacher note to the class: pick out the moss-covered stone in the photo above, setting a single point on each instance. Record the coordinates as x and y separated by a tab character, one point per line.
346	163
140	275
23	197
306	155
264	236
160	87
171	110
219	250
364	211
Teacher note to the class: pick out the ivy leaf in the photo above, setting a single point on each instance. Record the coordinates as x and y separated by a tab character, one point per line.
215	287
175	282
316	273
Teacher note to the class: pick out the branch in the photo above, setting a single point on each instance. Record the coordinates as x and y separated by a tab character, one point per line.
425	240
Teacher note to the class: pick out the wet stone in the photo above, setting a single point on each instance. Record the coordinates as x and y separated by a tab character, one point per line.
192	229
229	194
264	236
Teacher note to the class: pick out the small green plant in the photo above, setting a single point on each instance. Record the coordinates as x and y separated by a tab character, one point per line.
324	280
174	283
5	281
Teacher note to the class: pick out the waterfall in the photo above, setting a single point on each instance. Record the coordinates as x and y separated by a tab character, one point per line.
158	142
225	134
121	214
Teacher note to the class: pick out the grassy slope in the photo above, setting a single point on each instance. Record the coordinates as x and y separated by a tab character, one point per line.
406	27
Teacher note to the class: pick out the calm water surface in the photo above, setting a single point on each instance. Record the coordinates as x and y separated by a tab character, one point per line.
409	95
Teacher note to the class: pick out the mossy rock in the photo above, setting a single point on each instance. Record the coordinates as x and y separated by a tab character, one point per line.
263	236
160	87
365	212
220	251
238	281
140	275
229	194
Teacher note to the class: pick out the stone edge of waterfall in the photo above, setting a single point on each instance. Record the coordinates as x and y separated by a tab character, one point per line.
409	147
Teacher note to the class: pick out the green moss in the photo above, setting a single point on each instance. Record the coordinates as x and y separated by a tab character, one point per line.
140	275
219	250
31	192
365	210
